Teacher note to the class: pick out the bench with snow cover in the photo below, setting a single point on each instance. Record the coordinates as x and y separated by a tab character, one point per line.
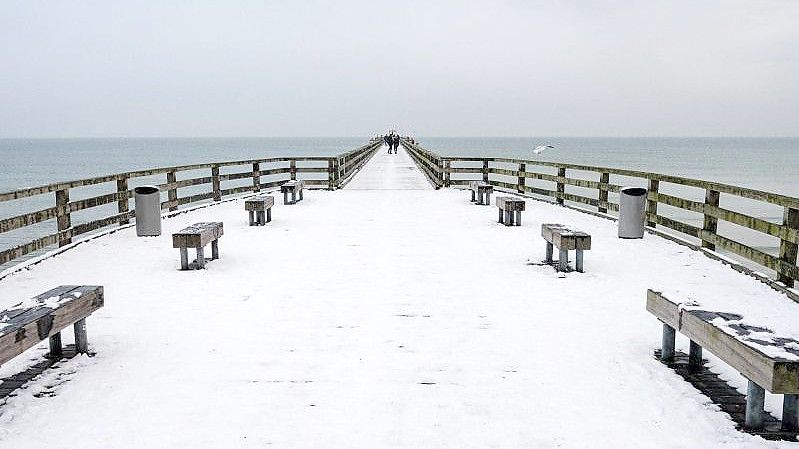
260	209
767	360
481	192
197	236
294	187
565	240
510	210
45	316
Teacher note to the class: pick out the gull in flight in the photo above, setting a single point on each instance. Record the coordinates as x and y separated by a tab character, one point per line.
540	148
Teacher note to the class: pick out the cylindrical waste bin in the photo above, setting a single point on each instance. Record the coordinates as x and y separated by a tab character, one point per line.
632	212
148	210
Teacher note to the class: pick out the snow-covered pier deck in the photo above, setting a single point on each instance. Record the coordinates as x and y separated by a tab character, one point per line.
384	314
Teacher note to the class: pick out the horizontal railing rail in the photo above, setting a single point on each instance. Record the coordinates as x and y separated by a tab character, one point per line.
261	172
513	175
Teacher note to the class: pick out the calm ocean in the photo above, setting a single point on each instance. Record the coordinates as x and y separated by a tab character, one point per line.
762	163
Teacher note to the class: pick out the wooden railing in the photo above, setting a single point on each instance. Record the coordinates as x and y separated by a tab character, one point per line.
513	175
276	171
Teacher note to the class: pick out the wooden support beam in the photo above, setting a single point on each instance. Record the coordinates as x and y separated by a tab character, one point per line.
560	187
788	250
604	180
172	192
62	215
256	177
122	203
711	223
652	205
217	191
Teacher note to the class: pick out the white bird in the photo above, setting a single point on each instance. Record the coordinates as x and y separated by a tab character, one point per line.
540	148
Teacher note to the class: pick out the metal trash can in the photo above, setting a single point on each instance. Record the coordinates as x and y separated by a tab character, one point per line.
148	210
632	212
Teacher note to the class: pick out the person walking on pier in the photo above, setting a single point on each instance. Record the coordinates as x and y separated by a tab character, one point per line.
395	140
387	140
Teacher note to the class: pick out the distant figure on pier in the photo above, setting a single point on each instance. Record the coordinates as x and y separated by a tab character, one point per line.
395	140
387	140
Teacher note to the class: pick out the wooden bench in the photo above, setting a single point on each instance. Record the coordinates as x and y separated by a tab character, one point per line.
260	209
510	210
45	316
197	236
566	240
482	191
294	187
769	361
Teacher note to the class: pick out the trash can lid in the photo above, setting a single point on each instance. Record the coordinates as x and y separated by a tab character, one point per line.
144	190
633	191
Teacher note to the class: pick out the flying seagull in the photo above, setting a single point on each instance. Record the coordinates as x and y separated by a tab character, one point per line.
540	148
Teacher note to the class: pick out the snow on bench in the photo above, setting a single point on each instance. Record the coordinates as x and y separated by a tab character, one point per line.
483	192
260	209
565	239
295	188
197	236
511	208
768	361
45	316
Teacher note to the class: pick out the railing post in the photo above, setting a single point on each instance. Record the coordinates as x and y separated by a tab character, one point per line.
561	187
447	173
652	204
256	177
331	173
217	191
711	223
62	215
122	202
522	177
604	180
293	168
485	170
788	250
172	192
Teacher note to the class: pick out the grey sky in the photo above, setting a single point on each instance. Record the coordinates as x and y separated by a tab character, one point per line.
450	68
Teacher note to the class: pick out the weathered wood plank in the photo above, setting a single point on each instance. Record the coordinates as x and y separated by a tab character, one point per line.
777	375
197	235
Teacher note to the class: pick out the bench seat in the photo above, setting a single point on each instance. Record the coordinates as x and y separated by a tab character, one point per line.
481	192
768	361
294	187
197	236
565	239
260	209
510	210
45	316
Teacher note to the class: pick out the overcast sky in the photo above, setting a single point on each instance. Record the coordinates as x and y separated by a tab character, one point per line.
431	68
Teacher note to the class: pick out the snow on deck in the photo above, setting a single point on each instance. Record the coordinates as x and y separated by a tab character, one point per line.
378	318
389	172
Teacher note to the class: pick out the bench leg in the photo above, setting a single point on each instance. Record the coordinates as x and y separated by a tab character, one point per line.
301	197
260	218
252	218
563	260
755	397
293	196
695	357
549	253
473	199
184	258
268	215
500	215
81	339
518	218
790	408
667	343
578	262
509	218
285	197
200	257
56	349
488	198
215	249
